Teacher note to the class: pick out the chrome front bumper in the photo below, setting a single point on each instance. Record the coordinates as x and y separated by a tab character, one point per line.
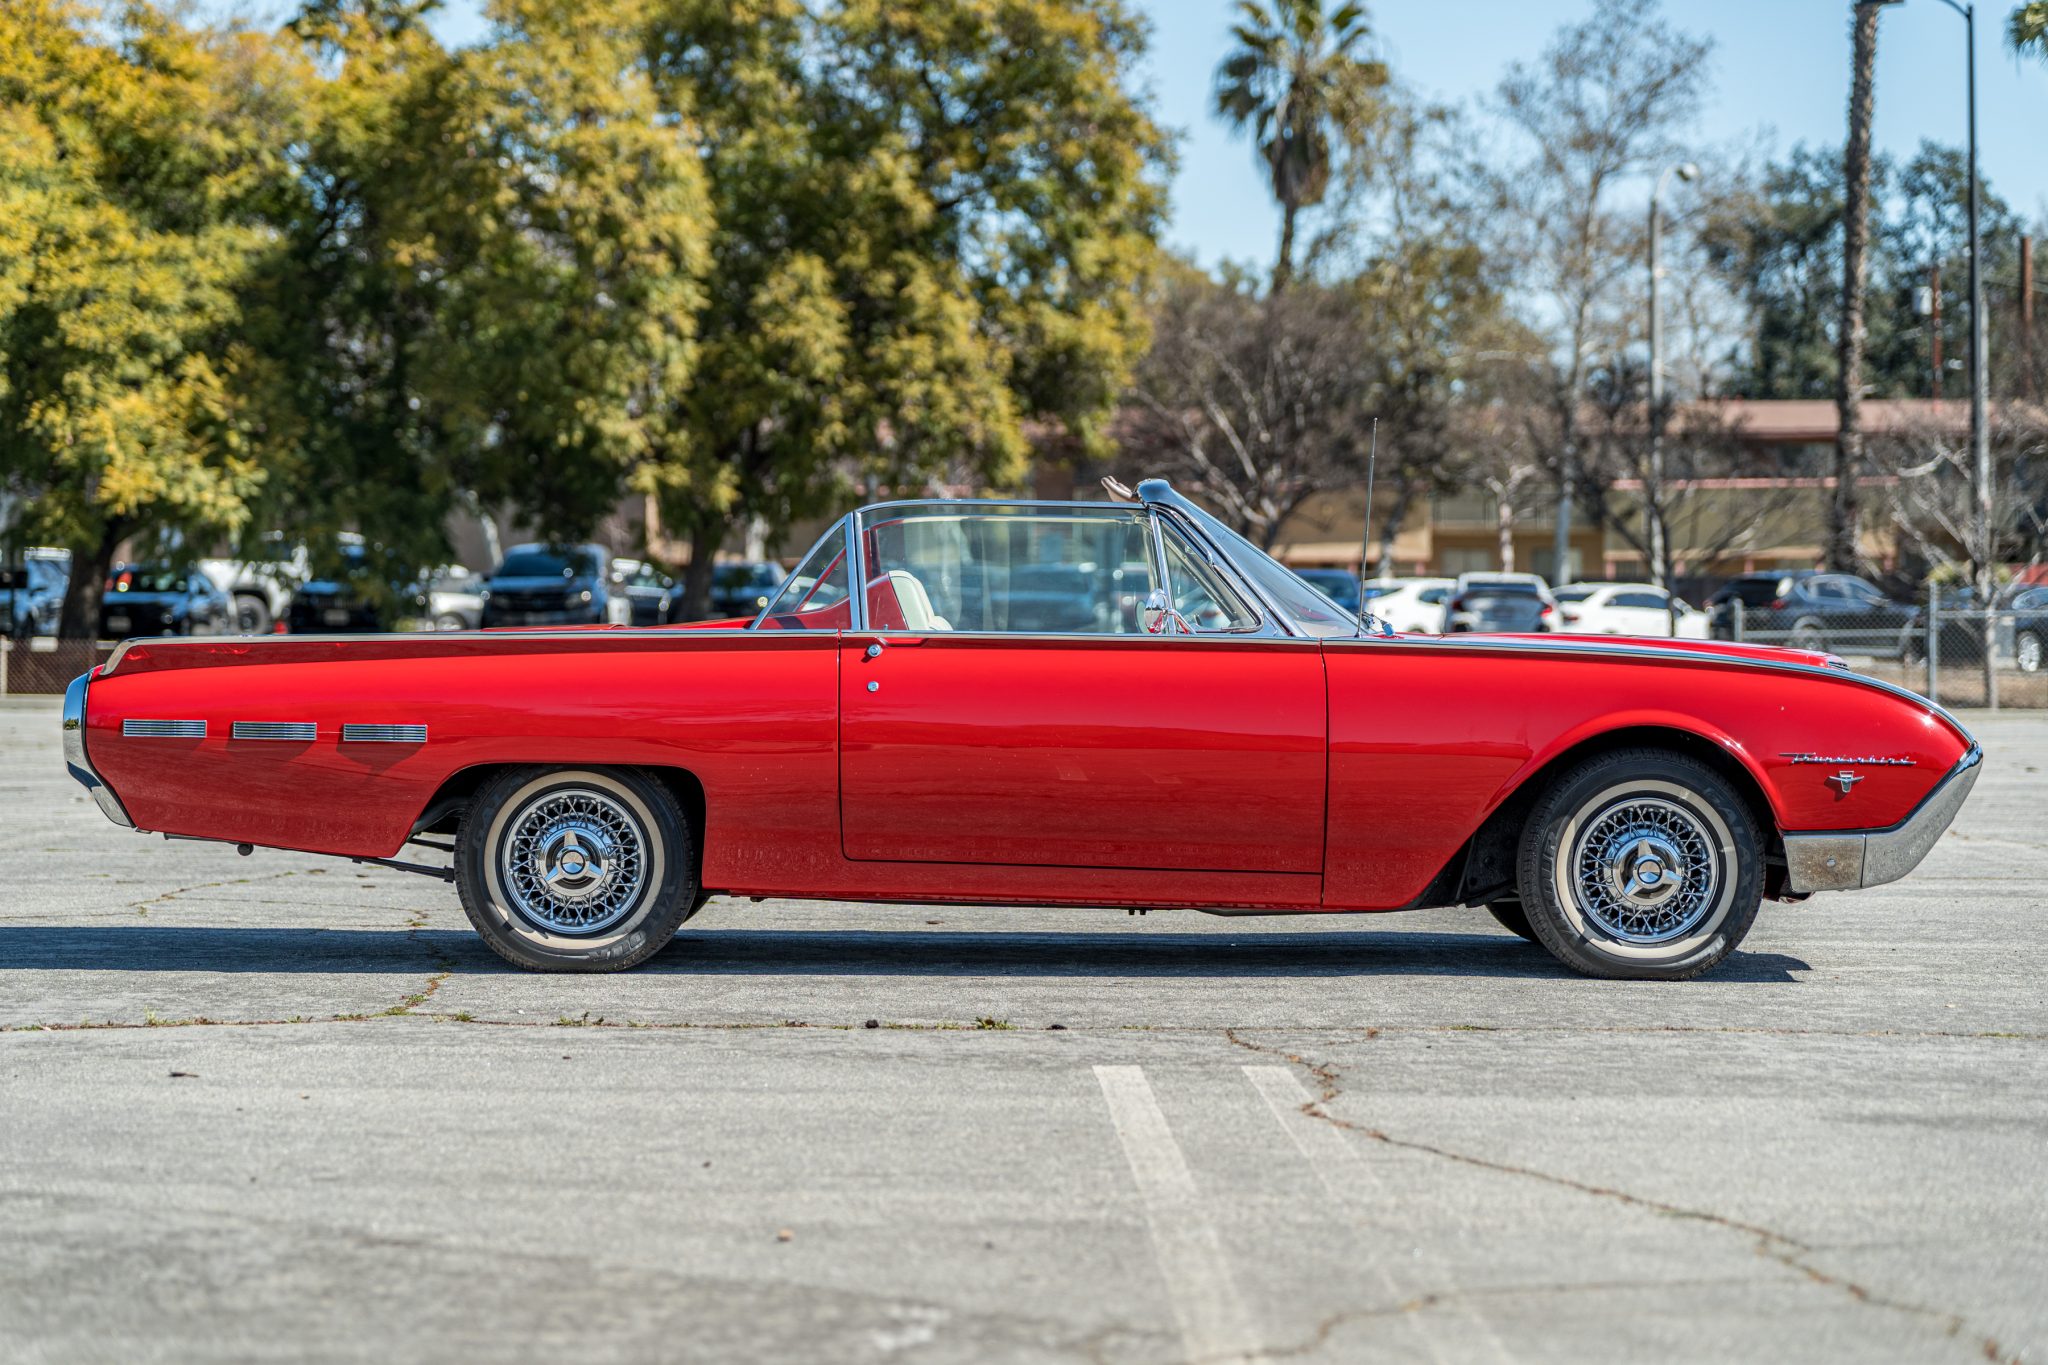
74	753
1844	860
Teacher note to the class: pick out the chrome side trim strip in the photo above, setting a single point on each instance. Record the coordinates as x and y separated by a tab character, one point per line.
1846	860
163	729
75	760
383	734
1595	646
295	731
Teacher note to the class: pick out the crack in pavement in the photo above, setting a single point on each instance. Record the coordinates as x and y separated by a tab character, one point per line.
1783	1248
141	907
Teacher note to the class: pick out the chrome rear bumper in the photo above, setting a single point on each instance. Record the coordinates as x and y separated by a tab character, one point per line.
74	753
1844	860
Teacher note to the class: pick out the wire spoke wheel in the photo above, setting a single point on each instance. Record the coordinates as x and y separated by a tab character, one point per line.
575	869
1645	870
1640	864
573	861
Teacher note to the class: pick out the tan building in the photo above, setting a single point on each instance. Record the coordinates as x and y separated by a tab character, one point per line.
1771	515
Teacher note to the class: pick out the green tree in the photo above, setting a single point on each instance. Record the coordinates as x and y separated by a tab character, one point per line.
2027	28
1778	244
932	219
139	156
1299	80
492	274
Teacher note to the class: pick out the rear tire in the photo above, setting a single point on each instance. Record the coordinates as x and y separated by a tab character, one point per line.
2027	652
1513	919
1640	865
575	869
1811	635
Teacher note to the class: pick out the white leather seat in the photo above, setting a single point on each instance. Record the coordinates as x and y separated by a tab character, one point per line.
915	602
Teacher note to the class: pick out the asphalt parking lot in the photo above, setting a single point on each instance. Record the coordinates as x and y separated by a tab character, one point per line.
288	1108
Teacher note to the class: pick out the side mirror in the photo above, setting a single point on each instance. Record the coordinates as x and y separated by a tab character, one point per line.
1159	617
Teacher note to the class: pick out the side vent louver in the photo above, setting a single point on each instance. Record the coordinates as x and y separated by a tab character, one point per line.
163	729
298	730
384	734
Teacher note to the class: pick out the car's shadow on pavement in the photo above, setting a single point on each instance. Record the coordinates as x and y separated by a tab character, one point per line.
849	952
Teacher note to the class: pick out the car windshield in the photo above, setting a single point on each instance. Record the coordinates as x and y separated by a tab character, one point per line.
539	563
1314	613
1574	594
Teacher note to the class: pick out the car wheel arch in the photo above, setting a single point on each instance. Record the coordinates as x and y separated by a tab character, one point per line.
1472	869
444	810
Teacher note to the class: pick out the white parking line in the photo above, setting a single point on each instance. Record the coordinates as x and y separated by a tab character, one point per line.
1460	1334
1213	1323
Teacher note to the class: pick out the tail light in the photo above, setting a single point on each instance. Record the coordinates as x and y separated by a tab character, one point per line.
1546	610
280	627
1776	604
1456	604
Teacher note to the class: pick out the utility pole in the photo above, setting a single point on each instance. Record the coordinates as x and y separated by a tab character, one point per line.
2027	316
1983	554
1980	427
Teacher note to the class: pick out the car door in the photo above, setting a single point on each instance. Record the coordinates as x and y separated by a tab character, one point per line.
1128	739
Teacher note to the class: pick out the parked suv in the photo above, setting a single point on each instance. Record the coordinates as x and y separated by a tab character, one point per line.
35	591
1830	612
163	599
743	587
554	585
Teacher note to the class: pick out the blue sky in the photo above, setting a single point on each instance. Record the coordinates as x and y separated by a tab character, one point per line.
1781	72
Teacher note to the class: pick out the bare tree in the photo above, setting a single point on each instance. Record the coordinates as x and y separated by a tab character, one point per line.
1256	403
1931	497
1606	101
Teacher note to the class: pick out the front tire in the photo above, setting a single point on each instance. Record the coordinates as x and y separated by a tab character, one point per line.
575	869
2027	652
1640	865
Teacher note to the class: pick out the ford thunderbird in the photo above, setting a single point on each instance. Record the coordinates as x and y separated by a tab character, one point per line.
1112	704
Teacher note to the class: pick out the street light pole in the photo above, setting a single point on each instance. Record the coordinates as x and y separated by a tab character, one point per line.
1983	552
1653	486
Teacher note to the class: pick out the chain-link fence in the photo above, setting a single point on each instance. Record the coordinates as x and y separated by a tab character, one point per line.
1954	654
44	665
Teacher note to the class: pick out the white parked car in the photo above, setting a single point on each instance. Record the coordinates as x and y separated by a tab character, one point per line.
1410	605
455	597
1627	609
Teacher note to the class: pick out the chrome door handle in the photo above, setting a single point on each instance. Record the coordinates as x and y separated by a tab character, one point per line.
874	651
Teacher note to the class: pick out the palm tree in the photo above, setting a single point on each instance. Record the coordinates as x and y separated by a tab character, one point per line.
1295	78
1844	519
2027	30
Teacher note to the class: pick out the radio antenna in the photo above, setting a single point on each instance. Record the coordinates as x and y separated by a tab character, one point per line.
1365	548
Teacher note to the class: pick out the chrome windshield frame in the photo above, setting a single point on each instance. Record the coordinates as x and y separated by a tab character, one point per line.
1270	623
840	527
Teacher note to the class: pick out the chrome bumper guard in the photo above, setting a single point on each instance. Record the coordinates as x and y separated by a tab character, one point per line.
74	753
1845	860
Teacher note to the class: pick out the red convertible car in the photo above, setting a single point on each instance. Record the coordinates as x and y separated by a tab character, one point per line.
1087	704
